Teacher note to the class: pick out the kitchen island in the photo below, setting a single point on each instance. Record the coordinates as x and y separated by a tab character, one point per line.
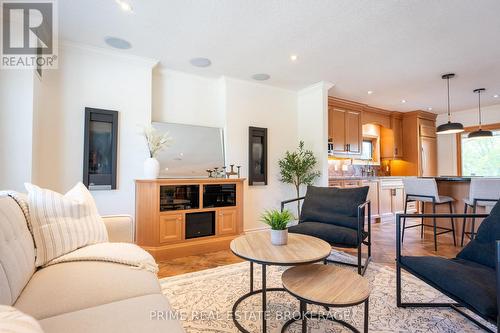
387	197
457	188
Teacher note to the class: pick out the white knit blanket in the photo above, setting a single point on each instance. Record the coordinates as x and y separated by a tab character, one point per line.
119	253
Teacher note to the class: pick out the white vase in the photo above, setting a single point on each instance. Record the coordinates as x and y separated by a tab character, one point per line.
151	168
279	237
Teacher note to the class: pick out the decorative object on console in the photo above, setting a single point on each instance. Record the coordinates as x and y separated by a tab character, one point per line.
278	221
100	149
297	168
449	127
232	172
257	156
156	142
222	173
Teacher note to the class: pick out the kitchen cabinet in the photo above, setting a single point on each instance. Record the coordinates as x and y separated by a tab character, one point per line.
397	128
372	195
392	139
336	129
419	144
353	132
428	157
392	199
345	131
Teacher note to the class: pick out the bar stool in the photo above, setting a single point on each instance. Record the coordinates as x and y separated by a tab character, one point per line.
482	192
425	190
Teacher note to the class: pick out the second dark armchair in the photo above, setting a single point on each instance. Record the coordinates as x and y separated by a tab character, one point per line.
337	216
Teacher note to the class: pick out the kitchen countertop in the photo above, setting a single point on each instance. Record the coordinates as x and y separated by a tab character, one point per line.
451	179
438	178
363	177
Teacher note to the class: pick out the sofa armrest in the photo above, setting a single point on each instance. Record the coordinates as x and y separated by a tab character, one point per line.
120	228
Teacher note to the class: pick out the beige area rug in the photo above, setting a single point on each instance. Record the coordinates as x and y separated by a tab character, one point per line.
203	301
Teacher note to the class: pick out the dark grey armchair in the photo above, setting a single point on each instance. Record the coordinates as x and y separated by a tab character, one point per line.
341	217
471	279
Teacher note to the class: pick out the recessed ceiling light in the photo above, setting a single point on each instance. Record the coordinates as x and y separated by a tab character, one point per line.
495	96
429	109
370	92
118	43
125	6
261	77
294	57
200	62
403	101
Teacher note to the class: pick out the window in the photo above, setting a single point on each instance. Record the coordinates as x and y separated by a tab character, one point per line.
480	157
367	150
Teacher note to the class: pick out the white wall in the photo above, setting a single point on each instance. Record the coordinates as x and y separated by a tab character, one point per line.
312	117
16	122
447	146
89	77
235	105
102	79
251	104
187	99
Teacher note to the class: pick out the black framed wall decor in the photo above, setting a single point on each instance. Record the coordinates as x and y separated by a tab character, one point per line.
100	149
257	156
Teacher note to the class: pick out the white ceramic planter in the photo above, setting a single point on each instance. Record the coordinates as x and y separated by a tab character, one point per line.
279	237
151	168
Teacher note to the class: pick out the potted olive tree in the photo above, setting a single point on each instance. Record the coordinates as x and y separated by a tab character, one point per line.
278	221
298	168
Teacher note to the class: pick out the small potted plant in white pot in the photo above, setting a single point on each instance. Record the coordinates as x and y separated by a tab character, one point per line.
278	221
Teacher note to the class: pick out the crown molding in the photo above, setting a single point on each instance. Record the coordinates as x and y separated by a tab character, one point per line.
149	62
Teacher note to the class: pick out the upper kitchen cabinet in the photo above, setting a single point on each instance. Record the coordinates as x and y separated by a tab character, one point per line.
392	138
344	127
419	144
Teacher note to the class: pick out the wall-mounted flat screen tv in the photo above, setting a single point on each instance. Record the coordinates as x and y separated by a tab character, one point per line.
194	149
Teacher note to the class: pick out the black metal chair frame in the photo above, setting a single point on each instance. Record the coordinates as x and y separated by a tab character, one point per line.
471	234
455	306
360	239
422	225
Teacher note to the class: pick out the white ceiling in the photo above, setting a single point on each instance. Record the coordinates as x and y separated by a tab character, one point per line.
398	49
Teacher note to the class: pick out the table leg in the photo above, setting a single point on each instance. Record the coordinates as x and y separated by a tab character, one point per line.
251	276
264	302
366	316
303	314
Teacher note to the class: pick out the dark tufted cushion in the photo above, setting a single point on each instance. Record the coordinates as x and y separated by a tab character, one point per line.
333	234
333	205
466	281
482	248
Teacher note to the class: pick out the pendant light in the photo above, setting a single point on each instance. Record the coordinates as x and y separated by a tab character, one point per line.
449	127
479	133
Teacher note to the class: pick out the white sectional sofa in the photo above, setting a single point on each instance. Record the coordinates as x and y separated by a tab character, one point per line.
78	297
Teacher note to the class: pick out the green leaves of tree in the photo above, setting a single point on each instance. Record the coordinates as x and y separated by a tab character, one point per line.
297	167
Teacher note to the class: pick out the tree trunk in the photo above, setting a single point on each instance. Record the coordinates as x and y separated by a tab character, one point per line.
298	202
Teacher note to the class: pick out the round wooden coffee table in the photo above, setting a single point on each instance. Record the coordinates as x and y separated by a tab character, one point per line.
327	286
256	247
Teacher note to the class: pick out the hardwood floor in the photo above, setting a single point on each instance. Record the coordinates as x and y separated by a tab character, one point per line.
383	250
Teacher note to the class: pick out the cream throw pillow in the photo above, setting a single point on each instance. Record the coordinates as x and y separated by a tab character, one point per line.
14	321
63	223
